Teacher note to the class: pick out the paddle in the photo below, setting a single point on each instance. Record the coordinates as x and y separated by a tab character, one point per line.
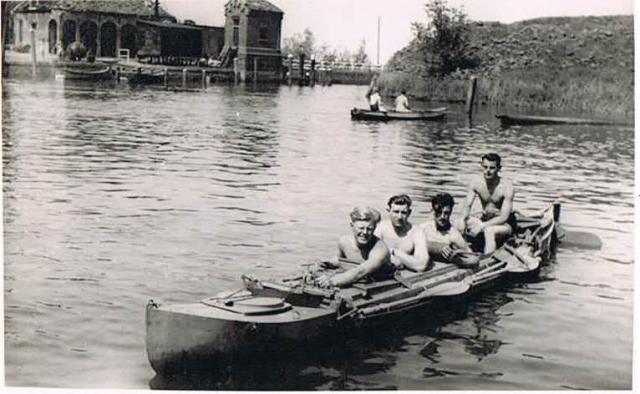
579	239
449	289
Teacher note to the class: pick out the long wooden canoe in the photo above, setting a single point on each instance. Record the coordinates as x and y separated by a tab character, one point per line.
528	120
365	114
85	74
264	315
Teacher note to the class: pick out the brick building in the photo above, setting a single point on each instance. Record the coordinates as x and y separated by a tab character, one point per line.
105	27
252	34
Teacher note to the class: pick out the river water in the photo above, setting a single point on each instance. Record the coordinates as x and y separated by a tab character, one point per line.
113	196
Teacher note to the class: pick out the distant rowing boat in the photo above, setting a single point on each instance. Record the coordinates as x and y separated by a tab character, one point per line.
527	120
87	74
430	114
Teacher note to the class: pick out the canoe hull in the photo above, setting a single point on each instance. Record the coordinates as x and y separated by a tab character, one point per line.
266	317
526	120
88	75
361	114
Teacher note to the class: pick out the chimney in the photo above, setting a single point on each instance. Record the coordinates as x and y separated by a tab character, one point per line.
157	8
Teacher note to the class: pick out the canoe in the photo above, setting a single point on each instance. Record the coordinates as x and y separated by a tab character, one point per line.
527	120
263	316
87	74
364	114
144	77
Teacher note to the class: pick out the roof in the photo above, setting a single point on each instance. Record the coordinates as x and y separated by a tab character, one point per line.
170	25
253	5
126	7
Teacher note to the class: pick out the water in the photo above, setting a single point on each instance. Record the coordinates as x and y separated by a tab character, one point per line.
113	196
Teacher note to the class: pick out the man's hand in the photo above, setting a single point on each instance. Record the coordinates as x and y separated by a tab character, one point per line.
447	252
474	226
395	259
325	281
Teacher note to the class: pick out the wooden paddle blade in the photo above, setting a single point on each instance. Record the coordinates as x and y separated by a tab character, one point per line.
448	289
579	239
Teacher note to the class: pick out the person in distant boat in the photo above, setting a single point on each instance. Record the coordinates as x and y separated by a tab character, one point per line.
375	101
496	196
402	102
406	244
362	247
444	241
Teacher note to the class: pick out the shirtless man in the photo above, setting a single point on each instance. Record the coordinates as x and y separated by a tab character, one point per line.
407	245
363	247
444	241
496	195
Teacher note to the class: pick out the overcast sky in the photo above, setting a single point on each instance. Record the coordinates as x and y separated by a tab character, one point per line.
343	24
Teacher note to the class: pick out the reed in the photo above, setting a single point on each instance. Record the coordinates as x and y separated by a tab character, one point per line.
579	89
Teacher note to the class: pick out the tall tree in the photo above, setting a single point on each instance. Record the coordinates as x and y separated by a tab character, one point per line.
300	43
445	40
361	57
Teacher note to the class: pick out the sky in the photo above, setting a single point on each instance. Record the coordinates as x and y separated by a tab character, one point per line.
343	24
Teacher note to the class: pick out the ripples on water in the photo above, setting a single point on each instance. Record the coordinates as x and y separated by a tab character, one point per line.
113	196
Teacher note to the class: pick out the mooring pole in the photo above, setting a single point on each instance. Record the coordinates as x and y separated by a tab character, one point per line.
235	70
255	69
33	51
312	81
184	78
290	69
118	74
166	78
301	80
204	79
471	95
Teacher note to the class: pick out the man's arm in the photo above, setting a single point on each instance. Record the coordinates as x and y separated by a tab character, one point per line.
419	261
466	206
505	209
377	257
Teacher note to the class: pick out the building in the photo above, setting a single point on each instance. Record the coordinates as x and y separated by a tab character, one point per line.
105	27
252	35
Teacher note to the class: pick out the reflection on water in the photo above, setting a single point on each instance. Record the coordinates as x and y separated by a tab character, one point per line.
115	195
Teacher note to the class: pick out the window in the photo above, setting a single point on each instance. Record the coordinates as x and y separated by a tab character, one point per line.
236	31
263	35
20	28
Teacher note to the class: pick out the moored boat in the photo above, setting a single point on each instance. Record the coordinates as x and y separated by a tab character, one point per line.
274	314
432	114
144	76
86	74
529	120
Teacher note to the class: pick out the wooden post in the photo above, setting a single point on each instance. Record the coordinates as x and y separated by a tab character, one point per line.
204	79
312	76
301	80
33	51
255	69
118	74
184	78
166	78
471	95
290	68
235	70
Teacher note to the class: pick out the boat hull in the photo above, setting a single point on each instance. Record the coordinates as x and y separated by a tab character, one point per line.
361	114
264	317
88	74
526	120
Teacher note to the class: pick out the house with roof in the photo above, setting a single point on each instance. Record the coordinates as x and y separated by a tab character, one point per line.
106	27
252	36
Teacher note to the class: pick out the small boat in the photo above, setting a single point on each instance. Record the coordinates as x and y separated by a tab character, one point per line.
365	114
86	74
280	315
144	77
528	120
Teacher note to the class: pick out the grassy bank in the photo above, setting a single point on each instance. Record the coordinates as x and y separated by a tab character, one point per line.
582	64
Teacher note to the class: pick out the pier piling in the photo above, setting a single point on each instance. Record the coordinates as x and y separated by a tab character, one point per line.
290	69
471	95
166	78
184	78
33	51
235	70
204	79
255	70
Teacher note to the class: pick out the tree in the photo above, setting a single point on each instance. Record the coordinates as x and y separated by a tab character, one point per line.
300	43
445	41
361	57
